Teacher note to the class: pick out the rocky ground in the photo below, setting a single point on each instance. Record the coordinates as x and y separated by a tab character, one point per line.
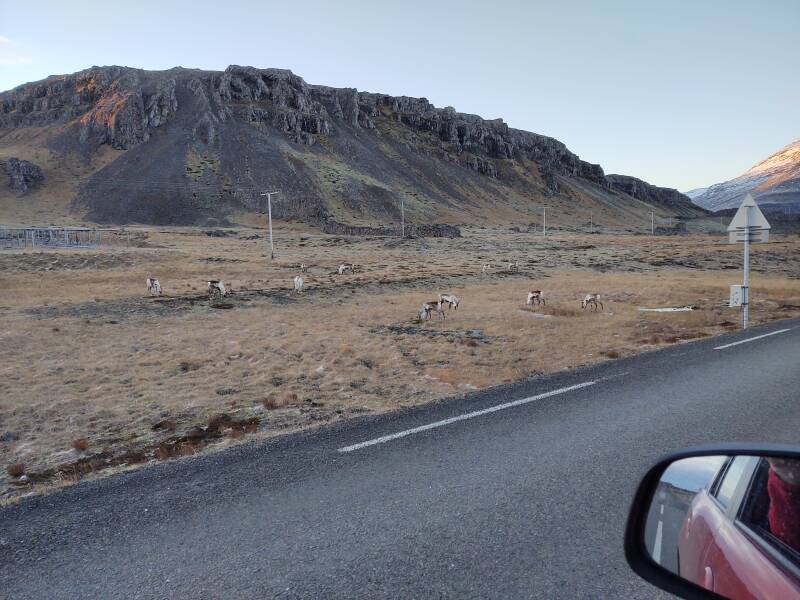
97	376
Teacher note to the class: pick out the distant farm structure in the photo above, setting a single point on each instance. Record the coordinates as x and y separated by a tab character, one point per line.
20	236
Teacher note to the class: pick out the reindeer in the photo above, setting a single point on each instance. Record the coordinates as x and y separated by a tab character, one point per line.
153	286
513	267
216	287
299	283
449	299
535	297
345	267
486	268
427	310
303	267
593	299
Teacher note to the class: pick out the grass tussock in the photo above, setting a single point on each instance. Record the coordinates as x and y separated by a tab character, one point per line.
80	444
16	470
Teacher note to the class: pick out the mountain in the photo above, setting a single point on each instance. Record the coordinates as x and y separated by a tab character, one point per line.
695	192
774	183
186	146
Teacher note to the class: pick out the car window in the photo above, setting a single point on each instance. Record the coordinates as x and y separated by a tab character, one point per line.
730	480
771	508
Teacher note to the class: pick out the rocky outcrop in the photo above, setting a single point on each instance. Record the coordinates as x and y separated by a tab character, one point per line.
110	105
121	107
641	190
22	175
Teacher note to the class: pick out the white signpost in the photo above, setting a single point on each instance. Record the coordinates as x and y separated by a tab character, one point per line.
751	227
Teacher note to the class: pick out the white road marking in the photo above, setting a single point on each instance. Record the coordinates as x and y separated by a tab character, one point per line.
464	417
758	337
657	544
662	509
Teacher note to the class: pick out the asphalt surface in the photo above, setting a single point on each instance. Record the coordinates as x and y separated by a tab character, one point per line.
667	514
525	502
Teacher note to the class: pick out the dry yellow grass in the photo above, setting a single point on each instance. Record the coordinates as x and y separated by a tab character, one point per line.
88	356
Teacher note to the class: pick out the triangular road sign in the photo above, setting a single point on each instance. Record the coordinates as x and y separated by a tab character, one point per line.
748	215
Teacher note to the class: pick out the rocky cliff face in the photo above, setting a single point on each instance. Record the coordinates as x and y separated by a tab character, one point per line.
641	190
112	105
200	143
22	175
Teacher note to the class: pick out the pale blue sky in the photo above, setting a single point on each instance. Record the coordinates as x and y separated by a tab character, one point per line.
680	93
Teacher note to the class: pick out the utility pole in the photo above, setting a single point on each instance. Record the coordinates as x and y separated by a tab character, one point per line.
544	222
402	218
269	213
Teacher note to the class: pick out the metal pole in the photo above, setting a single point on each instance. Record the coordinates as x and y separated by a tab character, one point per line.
271	243
746	279
544	222
402	218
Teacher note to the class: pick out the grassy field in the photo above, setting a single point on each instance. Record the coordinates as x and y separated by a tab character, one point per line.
96	376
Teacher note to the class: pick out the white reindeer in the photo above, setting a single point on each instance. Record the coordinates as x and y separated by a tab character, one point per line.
513	267
427	310
535	297
486	268
593	299
303	267
345	267
449	299
299	282
216	287
153	286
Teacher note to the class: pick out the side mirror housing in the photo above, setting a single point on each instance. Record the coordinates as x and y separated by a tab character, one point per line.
719	521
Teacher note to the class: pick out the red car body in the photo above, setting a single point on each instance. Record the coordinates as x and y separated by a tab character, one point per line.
722	555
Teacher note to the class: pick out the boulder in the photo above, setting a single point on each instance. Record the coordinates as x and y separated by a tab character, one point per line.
22	175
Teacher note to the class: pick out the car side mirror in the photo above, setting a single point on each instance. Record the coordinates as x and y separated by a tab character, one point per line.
719	521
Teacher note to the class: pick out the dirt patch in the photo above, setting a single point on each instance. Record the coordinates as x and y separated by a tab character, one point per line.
33	262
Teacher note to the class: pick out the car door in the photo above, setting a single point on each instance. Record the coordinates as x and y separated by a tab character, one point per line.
741	562
719	573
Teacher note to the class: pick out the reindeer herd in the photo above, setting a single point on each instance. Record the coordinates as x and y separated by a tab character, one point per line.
216	288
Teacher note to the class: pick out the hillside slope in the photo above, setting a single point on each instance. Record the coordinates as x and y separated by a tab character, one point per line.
774	183
183	146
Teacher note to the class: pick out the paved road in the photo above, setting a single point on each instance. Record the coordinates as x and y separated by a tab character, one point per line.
524	502
667	514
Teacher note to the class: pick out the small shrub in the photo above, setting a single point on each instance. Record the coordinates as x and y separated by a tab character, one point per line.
188	365
165	424
272	402
611	354
16	470
80	444
227	391
218	421
277	381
